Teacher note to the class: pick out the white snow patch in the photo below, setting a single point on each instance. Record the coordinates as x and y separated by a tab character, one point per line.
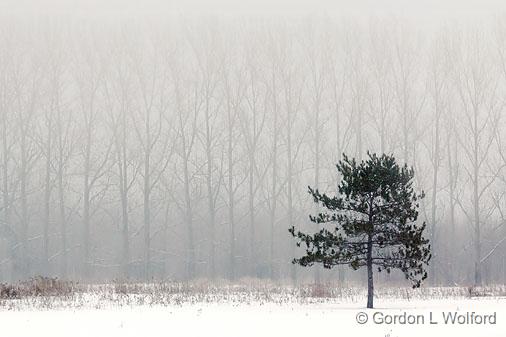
332	318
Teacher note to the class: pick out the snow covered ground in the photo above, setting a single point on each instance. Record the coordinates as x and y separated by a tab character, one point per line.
479	316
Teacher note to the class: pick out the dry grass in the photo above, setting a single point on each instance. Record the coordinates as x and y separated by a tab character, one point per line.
37	286
51	293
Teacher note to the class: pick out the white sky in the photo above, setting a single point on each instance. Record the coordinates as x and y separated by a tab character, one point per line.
367	7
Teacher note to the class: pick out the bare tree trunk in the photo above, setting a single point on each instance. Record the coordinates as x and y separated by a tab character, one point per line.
231	222
231	199
6	195
62	159
120	128
476	209
190	258
47	195
146	204
358	113
293	271
433	221
452	178
86	201
63	226
210	189
435	166
274	177
187	142
251	207
125	232
25	264
317	173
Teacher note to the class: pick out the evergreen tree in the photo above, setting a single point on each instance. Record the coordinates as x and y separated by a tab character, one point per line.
372	221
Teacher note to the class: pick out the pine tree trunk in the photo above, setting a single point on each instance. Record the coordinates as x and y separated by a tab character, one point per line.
317	275
370	283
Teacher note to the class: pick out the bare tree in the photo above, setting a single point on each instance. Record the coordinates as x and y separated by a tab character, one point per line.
151	79
316	86
233	91
381	94
118	101
187	104
438	78
89	76
27	91
252	124
9	181
291	100
409	98
477	89
206	50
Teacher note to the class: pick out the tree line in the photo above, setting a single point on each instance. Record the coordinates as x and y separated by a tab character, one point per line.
182	148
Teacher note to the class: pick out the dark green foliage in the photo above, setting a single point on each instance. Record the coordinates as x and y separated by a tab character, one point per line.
375	208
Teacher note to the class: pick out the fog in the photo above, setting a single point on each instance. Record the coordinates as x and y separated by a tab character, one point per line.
177	142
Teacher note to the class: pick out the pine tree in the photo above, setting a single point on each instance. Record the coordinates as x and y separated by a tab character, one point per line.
372	221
